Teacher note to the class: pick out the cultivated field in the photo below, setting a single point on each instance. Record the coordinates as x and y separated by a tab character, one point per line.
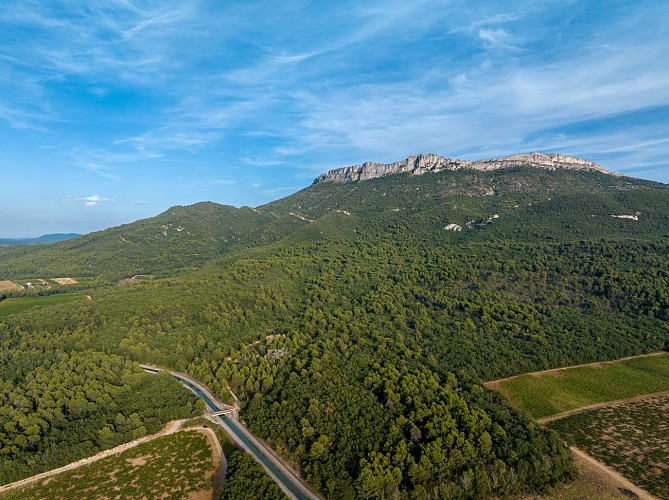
557	391
632	438
8	285
176	466
17	305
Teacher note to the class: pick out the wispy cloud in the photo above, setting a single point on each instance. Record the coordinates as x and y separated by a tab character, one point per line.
169	139
193	97
495	37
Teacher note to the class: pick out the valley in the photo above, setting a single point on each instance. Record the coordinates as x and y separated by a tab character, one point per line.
358	336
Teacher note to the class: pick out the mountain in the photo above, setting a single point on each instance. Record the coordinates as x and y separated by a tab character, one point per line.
47	238
355	321
424	163
533	196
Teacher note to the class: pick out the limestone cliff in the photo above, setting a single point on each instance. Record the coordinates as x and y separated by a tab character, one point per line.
424	163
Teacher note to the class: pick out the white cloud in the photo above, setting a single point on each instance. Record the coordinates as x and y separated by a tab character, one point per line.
91	201
336	86
495	37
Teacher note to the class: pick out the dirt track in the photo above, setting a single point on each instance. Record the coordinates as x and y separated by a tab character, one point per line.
600	405
643	494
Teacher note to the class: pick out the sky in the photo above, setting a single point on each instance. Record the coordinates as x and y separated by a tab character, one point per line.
115	110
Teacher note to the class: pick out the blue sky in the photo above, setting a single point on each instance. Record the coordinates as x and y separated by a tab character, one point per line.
115	110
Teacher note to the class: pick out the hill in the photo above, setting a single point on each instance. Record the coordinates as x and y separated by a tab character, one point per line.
181	237
510	201
356	329
47	238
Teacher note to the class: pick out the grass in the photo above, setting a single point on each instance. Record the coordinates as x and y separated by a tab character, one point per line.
176	466
543	395
17	305
631	438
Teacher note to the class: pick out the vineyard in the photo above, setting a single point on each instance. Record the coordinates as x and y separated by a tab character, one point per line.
632	438
179	465
17	305
543	395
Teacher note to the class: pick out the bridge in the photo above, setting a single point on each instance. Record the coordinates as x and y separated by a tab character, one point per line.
287	480
224	412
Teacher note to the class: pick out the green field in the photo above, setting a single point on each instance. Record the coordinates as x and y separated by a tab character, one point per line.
632	438
543	395
176	466
17	305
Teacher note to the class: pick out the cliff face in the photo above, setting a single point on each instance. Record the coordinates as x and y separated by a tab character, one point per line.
424	163
417	165
550	161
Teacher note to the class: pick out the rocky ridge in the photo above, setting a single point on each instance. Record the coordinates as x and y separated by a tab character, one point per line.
425	163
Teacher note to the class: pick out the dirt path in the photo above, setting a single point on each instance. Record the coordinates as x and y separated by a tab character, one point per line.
625	483
221	464
600	405
170	428
495	383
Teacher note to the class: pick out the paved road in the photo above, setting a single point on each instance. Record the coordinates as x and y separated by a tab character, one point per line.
287	480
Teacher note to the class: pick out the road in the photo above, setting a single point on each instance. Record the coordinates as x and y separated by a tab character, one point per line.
287	480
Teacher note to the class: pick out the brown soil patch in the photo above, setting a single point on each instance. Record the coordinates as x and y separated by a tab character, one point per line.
65	281
138	278
200	495
138	461
8	285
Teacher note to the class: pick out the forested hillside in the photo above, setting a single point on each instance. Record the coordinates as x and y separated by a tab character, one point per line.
180	238
529	203
356	330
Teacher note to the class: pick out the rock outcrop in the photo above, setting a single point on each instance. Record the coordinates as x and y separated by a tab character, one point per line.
425	163
417	165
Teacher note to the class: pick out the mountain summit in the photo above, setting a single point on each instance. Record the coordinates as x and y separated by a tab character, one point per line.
427	162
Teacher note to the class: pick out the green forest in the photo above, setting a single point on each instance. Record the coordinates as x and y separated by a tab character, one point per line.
356	343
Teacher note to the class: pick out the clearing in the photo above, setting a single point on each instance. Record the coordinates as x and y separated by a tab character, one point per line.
65	281
561	390
8	285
